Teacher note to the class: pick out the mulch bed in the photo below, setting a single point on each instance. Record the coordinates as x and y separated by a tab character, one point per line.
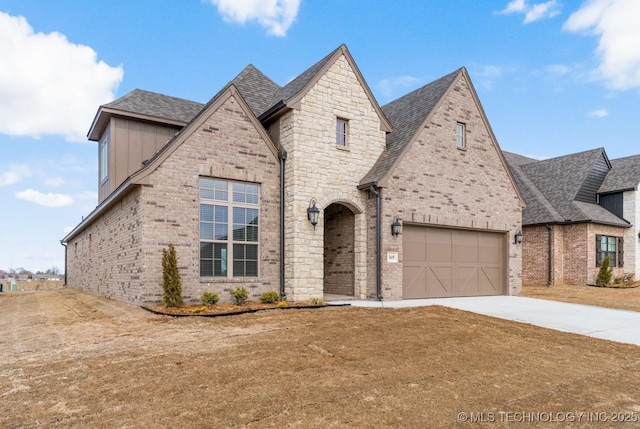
225	309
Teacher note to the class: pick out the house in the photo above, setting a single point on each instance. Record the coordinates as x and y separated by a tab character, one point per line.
580	208
296	188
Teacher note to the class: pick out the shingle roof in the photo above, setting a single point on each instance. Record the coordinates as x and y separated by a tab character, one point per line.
624	175
551	186
407	114
256	88
157	105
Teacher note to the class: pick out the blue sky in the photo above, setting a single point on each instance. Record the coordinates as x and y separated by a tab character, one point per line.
554	77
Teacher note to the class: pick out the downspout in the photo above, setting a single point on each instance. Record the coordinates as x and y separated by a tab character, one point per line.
549	256
65	262
282	155
372	189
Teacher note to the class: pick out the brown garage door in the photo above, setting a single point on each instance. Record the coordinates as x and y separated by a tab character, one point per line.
439	262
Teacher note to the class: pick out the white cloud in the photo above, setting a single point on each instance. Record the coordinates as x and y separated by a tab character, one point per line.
47	200
54	182
615	22
49	85
600	113
389	87
532	12
275	15
14	175
557	70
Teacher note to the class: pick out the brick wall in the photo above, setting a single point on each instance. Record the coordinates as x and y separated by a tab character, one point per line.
573	253
438	184
631	212
120	254
107	257
338	250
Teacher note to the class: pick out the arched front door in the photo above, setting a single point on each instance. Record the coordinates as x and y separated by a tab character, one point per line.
339	259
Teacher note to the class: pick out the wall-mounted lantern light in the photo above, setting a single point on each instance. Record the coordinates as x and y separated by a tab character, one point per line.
396	227
517	239
313	213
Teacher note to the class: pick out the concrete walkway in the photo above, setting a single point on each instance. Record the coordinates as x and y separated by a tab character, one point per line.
605	323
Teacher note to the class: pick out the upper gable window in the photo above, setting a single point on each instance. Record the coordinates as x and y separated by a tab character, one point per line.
341	132
461	140
104	157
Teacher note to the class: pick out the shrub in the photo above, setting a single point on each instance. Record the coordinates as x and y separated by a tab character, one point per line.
240	295
210	298
604	275
171	282
317	301
269	297
282	304
198	310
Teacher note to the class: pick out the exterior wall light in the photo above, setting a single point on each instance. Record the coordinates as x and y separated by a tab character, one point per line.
396	227
313	213
517	239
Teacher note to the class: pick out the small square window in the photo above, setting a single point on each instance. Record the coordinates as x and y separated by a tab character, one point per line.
460	136
341	132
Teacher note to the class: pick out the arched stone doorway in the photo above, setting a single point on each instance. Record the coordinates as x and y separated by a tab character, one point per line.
339	246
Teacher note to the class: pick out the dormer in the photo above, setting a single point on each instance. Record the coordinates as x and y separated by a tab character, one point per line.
133	128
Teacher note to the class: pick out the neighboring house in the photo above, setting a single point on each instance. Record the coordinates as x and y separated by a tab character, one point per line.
233	184
580	208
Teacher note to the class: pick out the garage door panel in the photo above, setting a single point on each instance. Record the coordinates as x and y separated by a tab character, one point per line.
439	245
441	262
439	280
414	280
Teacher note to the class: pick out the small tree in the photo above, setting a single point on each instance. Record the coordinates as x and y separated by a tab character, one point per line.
604	275
171	282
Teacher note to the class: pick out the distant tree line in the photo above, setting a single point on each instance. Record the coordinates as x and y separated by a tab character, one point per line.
20	271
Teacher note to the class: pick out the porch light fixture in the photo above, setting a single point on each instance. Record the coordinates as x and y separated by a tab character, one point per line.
396	227
517	239
313	212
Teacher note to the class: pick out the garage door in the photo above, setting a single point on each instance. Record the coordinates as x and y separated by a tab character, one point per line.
439	262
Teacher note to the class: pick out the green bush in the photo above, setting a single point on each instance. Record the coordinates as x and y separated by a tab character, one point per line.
210	298
269	297
317	301
604	275
240	295
171	282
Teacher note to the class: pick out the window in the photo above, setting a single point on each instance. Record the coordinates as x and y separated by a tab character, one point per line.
460	136
229	213
341	132
104	157
613	247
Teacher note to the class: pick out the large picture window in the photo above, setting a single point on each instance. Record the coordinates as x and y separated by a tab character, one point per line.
229	213
612	247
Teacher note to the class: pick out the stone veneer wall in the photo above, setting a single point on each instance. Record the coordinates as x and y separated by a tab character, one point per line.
107	257
438	184
631	212
316	167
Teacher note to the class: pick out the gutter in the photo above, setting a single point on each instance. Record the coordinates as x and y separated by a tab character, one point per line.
372	189
282	156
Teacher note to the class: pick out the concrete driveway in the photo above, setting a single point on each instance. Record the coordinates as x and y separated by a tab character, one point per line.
605	323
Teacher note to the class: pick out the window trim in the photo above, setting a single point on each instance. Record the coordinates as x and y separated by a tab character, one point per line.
104	157
461	137
229	198
342	136
616	256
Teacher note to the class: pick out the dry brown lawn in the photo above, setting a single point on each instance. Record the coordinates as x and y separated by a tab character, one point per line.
71	359
621	298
